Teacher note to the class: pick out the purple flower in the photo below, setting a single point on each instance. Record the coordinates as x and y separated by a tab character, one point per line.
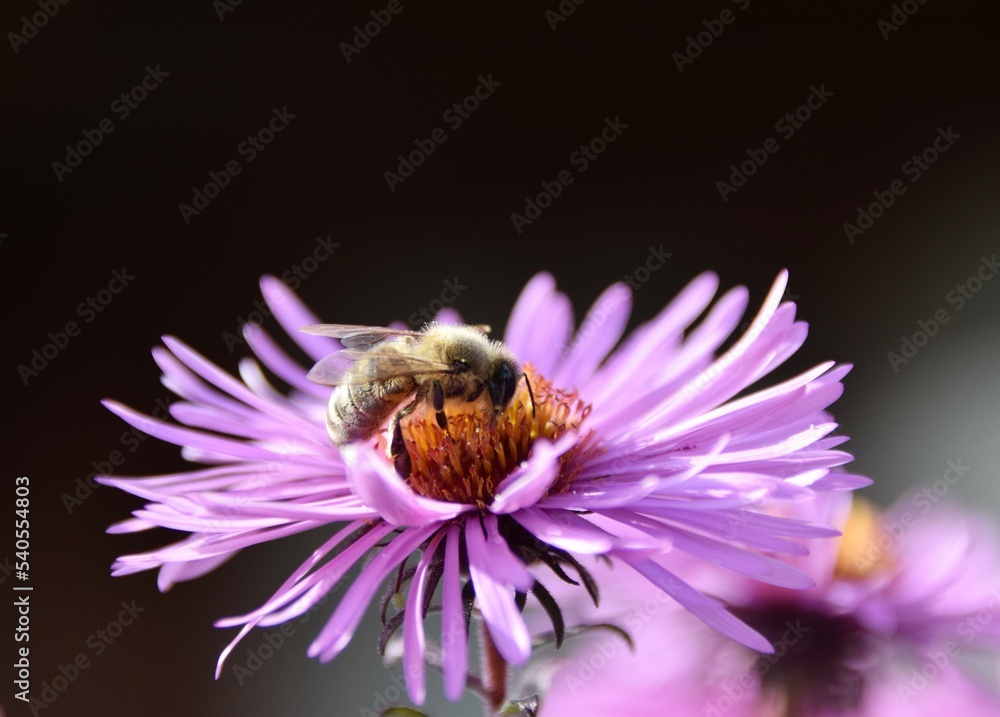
902	604
626	453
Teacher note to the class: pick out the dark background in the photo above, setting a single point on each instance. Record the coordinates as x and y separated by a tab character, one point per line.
655	186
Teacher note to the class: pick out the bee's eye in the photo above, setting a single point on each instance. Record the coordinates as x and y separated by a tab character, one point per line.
502	385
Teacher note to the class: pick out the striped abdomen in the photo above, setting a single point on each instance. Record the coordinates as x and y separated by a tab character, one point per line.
357	411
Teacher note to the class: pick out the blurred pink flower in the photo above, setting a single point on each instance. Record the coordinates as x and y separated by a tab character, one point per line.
903	605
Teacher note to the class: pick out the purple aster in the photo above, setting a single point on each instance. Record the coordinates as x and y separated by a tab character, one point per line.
904	603
627	453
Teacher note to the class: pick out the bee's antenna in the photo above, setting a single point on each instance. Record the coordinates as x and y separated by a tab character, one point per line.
531	394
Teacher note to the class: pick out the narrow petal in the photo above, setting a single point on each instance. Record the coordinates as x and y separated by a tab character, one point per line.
413	627
540	323
187	437
595	495
295	586
340	629
286	368
221	379
643	349
836	481
707	609
496	602
743	562
292	314
601	329
173	573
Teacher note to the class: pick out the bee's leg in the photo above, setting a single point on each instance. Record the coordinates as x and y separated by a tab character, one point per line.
397	448
398	454
531	394
437	400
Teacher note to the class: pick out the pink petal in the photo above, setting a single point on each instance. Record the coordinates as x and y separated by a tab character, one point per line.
340	629
529	482
601	329
540	324
707	609
496	602
379	487
293	314
454	640
565	530
413	627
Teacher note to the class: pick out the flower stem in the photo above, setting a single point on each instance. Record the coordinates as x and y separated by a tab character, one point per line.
494	669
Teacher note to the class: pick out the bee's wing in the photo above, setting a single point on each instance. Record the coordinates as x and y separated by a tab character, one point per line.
335	369
352	336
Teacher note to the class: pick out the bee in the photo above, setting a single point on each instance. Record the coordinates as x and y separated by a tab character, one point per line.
379	368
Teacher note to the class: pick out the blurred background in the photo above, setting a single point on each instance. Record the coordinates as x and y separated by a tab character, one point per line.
160	158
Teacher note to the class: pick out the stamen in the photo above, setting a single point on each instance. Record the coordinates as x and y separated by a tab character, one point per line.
466	462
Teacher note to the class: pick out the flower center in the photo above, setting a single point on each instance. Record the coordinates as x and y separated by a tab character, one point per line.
861	550
821	661
466	463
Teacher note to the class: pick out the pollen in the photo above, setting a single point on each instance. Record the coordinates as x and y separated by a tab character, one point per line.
467	462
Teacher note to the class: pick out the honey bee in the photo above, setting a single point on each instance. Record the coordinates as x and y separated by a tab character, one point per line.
379	368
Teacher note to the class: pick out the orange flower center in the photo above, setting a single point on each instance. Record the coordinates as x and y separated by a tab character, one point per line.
466	463
865	545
